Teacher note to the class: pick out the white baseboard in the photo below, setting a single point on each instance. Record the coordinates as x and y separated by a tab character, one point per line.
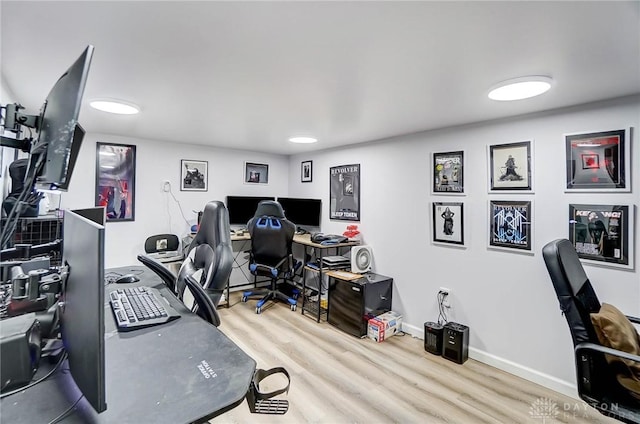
511	367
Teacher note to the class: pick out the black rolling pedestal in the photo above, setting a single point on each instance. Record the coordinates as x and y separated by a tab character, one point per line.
353	303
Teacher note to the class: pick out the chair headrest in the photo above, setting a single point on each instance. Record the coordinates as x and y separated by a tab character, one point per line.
269	208
214	225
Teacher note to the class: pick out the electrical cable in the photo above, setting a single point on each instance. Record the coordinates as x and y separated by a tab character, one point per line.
66	412
179	205
442	313
33	383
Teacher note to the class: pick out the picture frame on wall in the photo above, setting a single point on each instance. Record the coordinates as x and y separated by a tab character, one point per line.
448	223
448	173
344	192
510	225
603	234
598	161
511	167
256	173
306	171
194	175
116	180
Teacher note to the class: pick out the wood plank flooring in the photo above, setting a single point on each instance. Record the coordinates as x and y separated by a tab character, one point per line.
338	378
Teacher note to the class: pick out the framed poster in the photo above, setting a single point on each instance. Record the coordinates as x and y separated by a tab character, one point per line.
194	175
306	171
448	175
448	222
256	173
344	192
510	224
510	167
116	180
598	161
602	234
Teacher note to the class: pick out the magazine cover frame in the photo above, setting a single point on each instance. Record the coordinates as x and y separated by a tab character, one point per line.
344	192
590	217
116	180
447	223
506	230
445	164
597	172
513	156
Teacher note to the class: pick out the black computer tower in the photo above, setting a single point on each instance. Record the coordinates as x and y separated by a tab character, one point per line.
433	337
456	342
353	303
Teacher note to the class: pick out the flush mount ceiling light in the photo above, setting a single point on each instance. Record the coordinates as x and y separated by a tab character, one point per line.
303	140
520	88
115	106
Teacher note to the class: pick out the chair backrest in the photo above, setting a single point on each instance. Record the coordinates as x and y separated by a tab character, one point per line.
271	234
573	289
210	252
162	243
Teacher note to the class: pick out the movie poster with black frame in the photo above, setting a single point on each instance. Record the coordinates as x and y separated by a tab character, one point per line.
511	167
448	172
448	223
511	225
116	180
603	234
598	161
194	175
344	192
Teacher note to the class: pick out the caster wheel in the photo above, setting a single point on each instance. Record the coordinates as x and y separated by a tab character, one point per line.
258	310
244	299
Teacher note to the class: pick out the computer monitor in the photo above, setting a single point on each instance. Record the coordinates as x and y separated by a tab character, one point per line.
302	212
59	136
242	208
82	313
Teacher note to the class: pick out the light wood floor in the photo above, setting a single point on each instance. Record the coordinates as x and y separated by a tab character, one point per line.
338	378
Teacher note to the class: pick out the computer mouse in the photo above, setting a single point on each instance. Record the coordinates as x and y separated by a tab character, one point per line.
127	278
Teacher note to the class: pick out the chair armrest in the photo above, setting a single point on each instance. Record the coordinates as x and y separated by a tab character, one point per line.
162	271
633	319
206	308
592	347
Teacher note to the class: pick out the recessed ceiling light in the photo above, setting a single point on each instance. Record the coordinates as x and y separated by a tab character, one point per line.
303	140
520	88
115	106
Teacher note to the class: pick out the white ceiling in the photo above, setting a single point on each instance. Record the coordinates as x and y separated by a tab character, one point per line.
249	75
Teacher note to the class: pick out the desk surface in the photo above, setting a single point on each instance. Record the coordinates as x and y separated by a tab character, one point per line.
183	371
304	239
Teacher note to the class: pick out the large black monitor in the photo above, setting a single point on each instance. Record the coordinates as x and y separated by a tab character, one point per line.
82	315
58	135
302	212
242	208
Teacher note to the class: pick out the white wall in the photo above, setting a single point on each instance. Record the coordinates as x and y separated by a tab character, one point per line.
506	298
156	211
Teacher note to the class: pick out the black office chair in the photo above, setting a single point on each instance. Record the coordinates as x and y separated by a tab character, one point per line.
209	255
599	368
271	252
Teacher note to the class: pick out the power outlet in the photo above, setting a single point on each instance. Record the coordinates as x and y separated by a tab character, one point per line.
446	301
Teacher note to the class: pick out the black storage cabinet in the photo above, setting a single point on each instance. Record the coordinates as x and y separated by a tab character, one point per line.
353	303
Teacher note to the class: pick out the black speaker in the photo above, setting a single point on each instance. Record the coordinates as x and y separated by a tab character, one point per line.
433	337
456	342
19	350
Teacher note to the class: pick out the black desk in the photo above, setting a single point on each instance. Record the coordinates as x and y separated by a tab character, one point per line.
153	375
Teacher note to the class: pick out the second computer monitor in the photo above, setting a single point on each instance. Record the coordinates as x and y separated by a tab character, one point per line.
242	208
305	213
